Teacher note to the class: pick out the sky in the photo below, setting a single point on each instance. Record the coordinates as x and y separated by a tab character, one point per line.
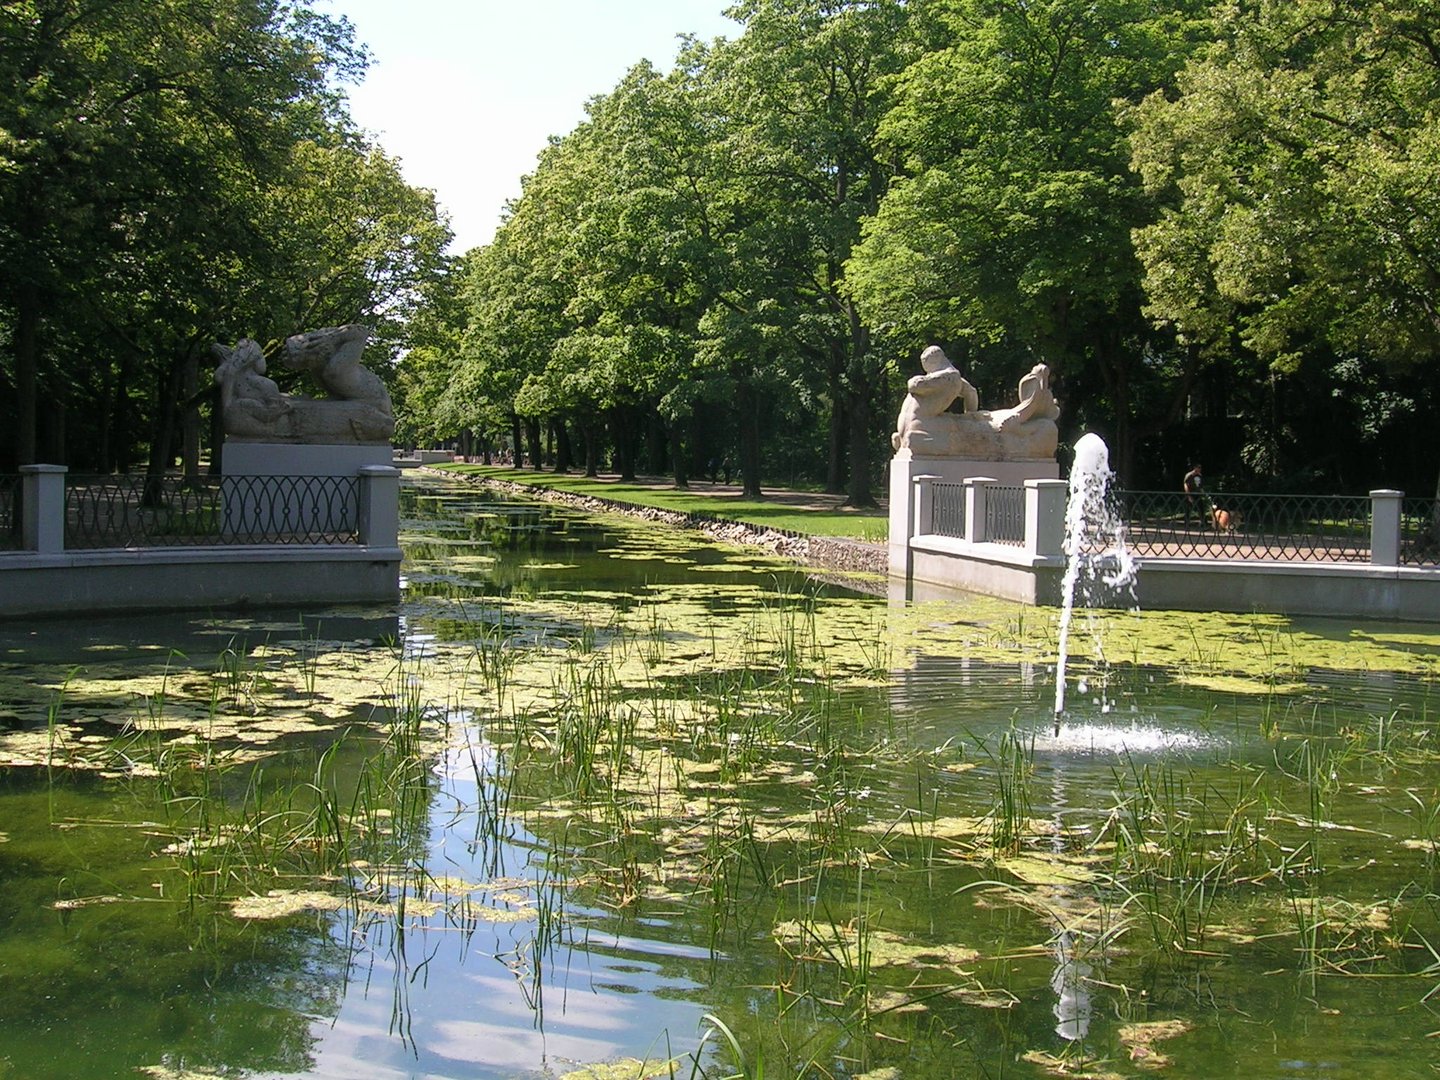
467	92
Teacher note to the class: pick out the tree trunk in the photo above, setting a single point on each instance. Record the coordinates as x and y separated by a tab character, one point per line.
656	445
105	432
750	442
217	437
27	364
592	447
515	440
564	460
627	441
162	441
857	493
123	439
677	456
532	440
837	448
190	421
857	401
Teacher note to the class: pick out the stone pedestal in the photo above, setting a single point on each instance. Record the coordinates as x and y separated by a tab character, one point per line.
301	459
310	490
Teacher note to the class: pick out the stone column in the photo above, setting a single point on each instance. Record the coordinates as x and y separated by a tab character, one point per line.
1045	517
1385	527
922	504
42	508
977	494
379	518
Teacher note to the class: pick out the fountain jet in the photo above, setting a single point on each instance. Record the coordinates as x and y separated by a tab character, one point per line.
1097	562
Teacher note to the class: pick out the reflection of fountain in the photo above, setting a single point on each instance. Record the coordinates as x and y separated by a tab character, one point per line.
1097	563
1072	996
1073	1007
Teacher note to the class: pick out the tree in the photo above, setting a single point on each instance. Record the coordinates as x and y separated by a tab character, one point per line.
1010	232
127	129
804	90
1301	159
516	294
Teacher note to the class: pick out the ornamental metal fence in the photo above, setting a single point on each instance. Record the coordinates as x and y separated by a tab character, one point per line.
1169	524
1275	528
10	536
947	509
1420	532
129	511
1005	514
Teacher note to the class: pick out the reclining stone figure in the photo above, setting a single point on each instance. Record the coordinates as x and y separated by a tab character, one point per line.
926	428
358	409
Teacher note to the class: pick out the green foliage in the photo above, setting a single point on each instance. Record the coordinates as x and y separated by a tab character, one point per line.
1010	231
1217	223
172	174
1303	154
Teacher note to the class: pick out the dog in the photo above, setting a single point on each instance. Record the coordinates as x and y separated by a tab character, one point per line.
1224	520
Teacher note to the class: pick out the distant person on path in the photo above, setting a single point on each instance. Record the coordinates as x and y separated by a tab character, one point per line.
1194	487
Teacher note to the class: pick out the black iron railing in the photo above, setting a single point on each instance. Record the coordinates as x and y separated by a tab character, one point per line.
10	538
1005	515
947	509
1004	512
1278	528
1420	532
139	511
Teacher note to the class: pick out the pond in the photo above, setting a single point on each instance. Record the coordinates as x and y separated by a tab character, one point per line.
607	800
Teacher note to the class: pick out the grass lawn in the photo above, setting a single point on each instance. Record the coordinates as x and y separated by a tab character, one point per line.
783	511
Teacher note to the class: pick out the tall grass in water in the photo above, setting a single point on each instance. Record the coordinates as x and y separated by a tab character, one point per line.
409	710
594	726
495	655
1014	763
1178	848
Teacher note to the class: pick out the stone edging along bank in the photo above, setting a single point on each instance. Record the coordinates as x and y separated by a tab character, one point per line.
823	552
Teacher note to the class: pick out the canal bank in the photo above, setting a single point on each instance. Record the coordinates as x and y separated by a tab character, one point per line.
842	555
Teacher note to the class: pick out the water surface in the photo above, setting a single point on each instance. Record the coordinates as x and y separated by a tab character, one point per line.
600	794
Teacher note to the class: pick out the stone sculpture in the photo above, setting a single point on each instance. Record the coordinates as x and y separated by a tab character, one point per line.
358	409
927	428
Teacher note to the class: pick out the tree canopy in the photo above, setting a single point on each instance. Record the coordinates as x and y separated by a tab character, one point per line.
171	174
1215	221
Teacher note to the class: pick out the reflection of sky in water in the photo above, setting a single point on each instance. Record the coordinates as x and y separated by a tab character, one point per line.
442	1000
552	551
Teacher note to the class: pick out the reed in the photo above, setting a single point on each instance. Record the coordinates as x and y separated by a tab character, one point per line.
1014	766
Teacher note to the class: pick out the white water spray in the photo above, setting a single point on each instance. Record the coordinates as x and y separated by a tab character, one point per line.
1097	563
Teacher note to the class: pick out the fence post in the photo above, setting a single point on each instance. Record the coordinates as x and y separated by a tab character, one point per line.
1045	516
42	508
1385	526
378	523
977	495
922	505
